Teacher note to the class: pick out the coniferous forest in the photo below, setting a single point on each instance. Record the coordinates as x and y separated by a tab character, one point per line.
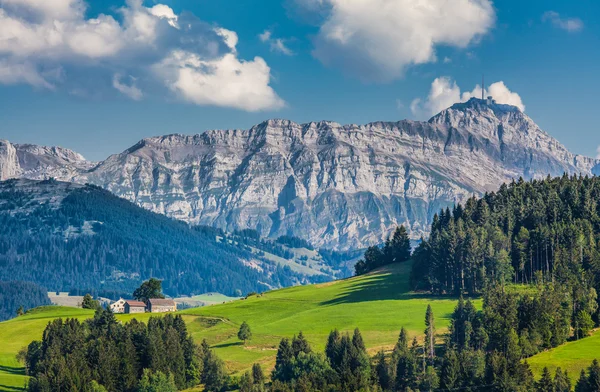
124	245
17	297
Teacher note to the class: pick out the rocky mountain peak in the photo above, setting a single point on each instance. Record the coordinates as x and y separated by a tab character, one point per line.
336	186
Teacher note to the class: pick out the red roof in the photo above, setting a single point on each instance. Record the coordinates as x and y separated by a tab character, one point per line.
161	302
135	304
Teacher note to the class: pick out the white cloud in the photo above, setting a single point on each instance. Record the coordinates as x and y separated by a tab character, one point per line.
129	90
276	44
40	36
445	92
598	152
377	40
225	81
572	25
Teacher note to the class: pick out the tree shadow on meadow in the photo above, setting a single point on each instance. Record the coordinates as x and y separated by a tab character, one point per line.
380	287
13	370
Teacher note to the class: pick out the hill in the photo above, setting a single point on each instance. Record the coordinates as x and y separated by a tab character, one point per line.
67	236
378	303
337	186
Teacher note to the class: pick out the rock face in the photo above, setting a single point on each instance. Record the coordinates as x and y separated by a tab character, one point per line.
337	186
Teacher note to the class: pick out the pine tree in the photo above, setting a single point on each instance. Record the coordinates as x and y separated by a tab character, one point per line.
357	340
450	371
382	371
258	378
246	383
300	345
400	245
545	383
283	362
582	384
430	334
562	383
594	376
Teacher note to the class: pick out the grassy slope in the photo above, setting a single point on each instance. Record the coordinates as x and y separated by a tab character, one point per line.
379	304
571	356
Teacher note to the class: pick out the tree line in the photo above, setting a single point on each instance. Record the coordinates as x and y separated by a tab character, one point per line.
101	354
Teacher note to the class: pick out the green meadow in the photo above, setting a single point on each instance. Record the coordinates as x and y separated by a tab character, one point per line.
379	304
571	356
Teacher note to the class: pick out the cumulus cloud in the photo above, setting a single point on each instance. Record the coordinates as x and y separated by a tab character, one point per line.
225	81
445	92
47	43
276	44
598	152
376	40
572	25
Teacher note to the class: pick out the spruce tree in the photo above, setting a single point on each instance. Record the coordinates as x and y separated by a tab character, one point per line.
562	383
283	362
545	383
582	384
382	371
450	371
430	334
300	345
594	376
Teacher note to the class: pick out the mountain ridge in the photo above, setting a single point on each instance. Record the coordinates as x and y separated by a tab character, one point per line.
337	186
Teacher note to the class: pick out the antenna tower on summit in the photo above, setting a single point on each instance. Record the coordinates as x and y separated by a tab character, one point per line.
482	87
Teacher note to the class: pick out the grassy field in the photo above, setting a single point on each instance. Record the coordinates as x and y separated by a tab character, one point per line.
379	304
571	356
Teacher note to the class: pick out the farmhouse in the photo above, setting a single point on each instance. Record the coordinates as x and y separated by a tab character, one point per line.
158	305
134	307
118	306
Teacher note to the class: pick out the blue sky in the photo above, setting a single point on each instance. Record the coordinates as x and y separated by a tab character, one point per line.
98	91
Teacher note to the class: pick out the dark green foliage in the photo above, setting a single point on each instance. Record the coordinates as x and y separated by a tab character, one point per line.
527	232
119	357
152	288
244	333
300	345
589	381
90	303
17	294
562	383
128	244
430	334
545	383
395	250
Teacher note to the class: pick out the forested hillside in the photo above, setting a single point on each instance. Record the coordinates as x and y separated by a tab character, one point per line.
527	232
19	297
66	236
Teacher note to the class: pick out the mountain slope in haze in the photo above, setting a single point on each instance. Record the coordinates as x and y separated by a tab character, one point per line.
70	236
342	187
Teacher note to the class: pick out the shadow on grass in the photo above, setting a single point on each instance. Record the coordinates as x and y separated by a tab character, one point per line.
13	370
10	388
223	345
390	286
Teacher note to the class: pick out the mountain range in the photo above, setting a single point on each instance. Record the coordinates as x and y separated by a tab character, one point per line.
336	186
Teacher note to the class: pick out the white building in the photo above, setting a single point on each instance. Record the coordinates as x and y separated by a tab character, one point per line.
118	306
